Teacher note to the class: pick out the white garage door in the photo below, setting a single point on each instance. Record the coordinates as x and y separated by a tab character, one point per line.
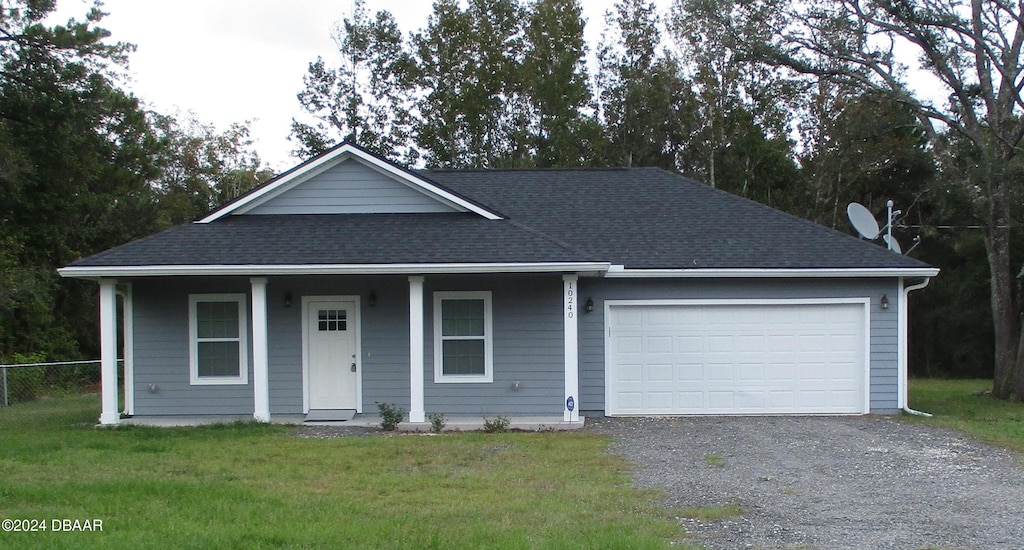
736	358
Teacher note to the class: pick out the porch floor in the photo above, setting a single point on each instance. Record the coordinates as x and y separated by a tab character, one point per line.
454	423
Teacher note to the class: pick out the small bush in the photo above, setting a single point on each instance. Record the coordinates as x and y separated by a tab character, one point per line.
25	384
390	416
437	422
496	425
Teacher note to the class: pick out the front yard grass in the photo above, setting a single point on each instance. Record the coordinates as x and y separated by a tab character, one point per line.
259	486
963	405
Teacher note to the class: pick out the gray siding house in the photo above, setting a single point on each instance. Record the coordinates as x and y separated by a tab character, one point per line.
350	281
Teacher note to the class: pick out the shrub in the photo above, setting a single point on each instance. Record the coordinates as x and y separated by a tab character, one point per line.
437	422
390	416
25	384
496	425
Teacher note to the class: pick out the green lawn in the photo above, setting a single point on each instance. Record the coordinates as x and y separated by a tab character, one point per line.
259	486
961	404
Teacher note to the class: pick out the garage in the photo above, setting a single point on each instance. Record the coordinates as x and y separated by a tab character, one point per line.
730	357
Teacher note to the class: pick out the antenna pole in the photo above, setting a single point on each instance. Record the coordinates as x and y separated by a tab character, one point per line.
888	226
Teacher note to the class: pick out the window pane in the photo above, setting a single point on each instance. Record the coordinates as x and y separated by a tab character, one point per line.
218	359
217	319
462	317
463	357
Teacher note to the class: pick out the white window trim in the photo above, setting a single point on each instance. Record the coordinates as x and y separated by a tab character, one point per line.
488	376
243	341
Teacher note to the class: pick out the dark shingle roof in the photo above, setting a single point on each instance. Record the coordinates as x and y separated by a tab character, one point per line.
648	218
643	218
339	239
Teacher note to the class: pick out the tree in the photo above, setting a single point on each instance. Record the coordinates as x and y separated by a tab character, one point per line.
202	168
365	100
973	53
78	154
862	148
646	106
554	80
471	106
740	139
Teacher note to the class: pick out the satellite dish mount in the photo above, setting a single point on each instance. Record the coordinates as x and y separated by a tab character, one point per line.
864	223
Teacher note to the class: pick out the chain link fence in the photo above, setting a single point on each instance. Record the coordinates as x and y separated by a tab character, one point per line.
37	394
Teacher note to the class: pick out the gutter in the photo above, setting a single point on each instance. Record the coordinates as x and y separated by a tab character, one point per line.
621	272
85	272
903	314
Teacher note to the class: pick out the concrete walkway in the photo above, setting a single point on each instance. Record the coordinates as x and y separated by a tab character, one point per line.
454	423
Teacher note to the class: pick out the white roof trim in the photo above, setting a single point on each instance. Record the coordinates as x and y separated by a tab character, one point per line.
330	269
620	272
328	160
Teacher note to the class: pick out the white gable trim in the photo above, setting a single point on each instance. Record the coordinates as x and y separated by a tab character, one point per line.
620	272
321	164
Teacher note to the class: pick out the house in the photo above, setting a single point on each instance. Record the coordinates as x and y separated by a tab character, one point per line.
350	281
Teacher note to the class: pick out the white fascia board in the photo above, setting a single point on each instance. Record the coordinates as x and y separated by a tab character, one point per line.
317	166
330	269
620	272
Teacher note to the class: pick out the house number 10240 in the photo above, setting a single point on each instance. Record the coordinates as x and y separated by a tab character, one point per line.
570	301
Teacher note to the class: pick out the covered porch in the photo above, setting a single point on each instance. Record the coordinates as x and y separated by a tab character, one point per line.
267	316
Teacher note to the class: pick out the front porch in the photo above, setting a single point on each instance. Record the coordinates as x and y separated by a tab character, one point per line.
531	370
454	424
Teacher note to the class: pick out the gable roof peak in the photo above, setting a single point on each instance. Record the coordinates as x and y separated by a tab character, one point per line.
332	157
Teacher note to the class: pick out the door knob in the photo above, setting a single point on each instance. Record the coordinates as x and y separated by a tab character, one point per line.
353	367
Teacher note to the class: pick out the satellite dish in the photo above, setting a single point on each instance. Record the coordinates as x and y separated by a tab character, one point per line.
863	221
893	244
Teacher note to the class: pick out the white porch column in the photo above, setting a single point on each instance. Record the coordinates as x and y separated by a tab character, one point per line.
128	355
416	412
108	352
260	376
571	310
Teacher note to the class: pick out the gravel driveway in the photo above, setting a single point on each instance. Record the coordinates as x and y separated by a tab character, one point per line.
828	482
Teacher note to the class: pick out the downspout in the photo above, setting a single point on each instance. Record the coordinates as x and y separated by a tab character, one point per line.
903	351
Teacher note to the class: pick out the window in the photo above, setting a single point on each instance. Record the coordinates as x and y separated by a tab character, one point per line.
331	320
462	337
218	351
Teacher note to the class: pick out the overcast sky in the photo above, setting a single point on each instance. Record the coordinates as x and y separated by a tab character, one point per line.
235	60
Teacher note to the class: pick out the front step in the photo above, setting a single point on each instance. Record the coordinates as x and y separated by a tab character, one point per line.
330	415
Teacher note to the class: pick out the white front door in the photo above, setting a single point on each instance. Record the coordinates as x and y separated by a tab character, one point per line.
331	353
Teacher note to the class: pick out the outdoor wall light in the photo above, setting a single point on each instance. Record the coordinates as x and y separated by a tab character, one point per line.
288	299
372	300
589	306
885	302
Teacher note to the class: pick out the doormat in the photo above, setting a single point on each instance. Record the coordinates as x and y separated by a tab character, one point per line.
330	415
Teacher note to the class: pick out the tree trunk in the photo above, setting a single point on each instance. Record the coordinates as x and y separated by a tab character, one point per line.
1018	385
1005	318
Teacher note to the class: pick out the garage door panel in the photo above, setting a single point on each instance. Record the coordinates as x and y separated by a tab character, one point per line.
660	318
689	371
781	373
659	344
750	372
630	344
689	344
719	372
693	400
720	400
660	400
630	373
737	359
660	373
